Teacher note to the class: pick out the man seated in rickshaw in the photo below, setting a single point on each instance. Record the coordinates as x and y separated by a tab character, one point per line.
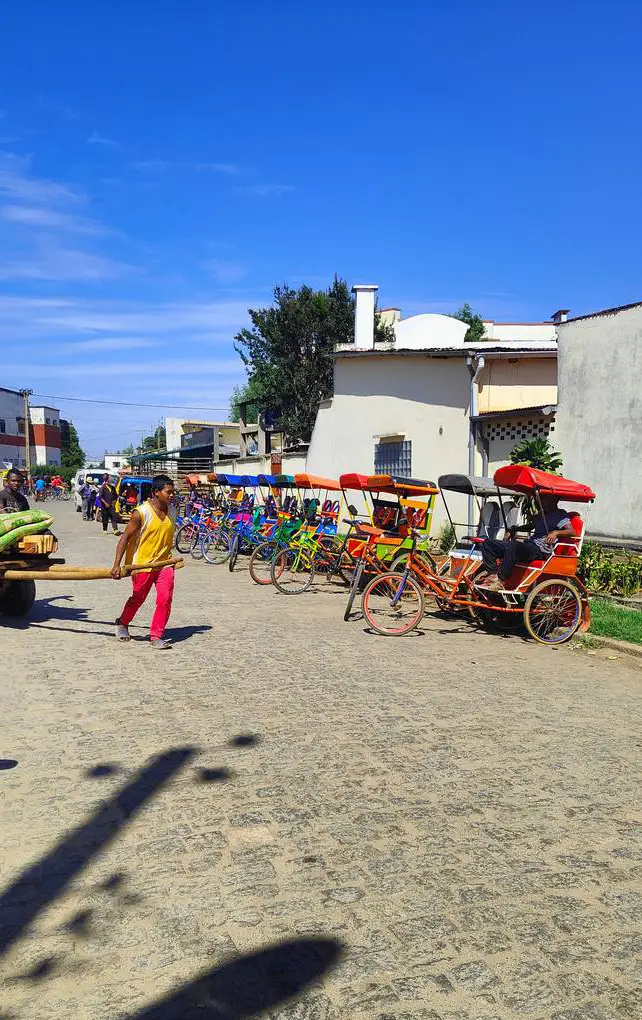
501	555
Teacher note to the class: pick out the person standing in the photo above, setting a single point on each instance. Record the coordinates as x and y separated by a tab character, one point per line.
86	493
107	497
11	499
149	538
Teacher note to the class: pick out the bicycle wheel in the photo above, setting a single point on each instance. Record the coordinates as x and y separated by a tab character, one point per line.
261	562
234	553
185	535
292	571
553	611
399	562
216	545
354	588
393	604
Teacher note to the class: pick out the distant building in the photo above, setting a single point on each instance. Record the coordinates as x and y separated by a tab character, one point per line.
115	461
429	403
600	414
44	433
181	432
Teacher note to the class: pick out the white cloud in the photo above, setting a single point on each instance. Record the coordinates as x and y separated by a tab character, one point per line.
264	190
96	139
224	272
100	345
52	261
17	183
50	219
219	168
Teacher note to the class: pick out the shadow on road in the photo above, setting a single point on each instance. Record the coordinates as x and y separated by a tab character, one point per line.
44	881
249	985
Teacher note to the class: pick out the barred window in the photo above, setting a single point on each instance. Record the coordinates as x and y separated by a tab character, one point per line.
393	458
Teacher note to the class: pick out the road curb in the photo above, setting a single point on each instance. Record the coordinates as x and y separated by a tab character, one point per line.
624	647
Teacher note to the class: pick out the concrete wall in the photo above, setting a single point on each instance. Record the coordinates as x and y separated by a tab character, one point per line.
521	382
519	331
423	399
599	418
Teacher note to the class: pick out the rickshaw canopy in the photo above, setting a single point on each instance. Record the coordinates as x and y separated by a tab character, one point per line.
137	480
528	480
236	481
305	481
284	481
267	479
388	483
471	485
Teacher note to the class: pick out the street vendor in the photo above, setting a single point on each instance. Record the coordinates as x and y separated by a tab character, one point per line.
149	538
11	499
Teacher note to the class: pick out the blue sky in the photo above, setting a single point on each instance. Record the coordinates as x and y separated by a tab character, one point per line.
163	165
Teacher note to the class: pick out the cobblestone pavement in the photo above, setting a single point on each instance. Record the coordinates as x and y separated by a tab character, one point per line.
459	811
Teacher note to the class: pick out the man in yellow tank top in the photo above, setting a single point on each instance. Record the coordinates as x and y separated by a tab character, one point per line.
149	538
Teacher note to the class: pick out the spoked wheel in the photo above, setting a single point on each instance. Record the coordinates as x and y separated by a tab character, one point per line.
392	604
185	536
292	571
553	611
216	546
399	562
198	540
234	553
354	588
261	562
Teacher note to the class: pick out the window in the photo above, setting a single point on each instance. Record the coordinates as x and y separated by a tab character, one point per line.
393	458
47	421
3	426
21	426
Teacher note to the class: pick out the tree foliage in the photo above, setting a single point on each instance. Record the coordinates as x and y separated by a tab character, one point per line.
476	329
247	393
288	351
156	441
537	453
71	453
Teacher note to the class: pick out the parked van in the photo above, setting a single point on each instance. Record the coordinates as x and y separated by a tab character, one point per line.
93	475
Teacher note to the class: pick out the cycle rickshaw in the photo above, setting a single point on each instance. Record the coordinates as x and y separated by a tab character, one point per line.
546	595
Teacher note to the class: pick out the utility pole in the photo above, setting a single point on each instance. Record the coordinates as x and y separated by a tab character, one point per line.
25	394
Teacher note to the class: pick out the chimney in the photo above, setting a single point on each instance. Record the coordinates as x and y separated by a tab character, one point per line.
364	315
560	316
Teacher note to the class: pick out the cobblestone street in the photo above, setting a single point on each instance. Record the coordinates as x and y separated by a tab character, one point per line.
456	814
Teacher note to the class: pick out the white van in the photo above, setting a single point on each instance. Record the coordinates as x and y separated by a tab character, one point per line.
94	475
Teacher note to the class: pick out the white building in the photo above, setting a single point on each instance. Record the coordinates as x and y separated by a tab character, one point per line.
600	415
115	461
44	433
429	403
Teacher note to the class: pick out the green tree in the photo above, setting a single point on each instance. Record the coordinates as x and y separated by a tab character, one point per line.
537	453
156	441
242	394
71	452
129	451
288	351
476	329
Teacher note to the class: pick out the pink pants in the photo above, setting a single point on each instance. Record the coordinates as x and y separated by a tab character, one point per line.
142	585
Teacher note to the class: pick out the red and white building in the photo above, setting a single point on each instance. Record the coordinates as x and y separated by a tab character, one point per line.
44	433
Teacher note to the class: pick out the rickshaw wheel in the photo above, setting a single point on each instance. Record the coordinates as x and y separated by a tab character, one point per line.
386	618
261	562
399	562
216	546
292	571
553	611
185	537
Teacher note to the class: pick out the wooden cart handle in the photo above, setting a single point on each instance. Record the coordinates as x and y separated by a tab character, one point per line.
68	573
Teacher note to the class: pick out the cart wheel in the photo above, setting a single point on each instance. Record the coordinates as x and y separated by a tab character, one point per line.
234	553
184	540
261	562
17	597
216	546
553	611
354	588
292	571
392	604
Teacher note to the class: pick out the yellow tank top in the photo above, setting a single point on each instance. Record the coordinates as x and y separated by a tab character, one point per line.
154	541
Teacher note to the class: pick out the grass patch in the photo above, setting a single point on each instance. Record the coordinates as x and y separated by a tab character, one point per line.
614	621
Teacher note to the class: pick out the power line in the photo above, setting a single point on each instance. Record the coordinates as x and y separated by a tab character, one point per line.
132	403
